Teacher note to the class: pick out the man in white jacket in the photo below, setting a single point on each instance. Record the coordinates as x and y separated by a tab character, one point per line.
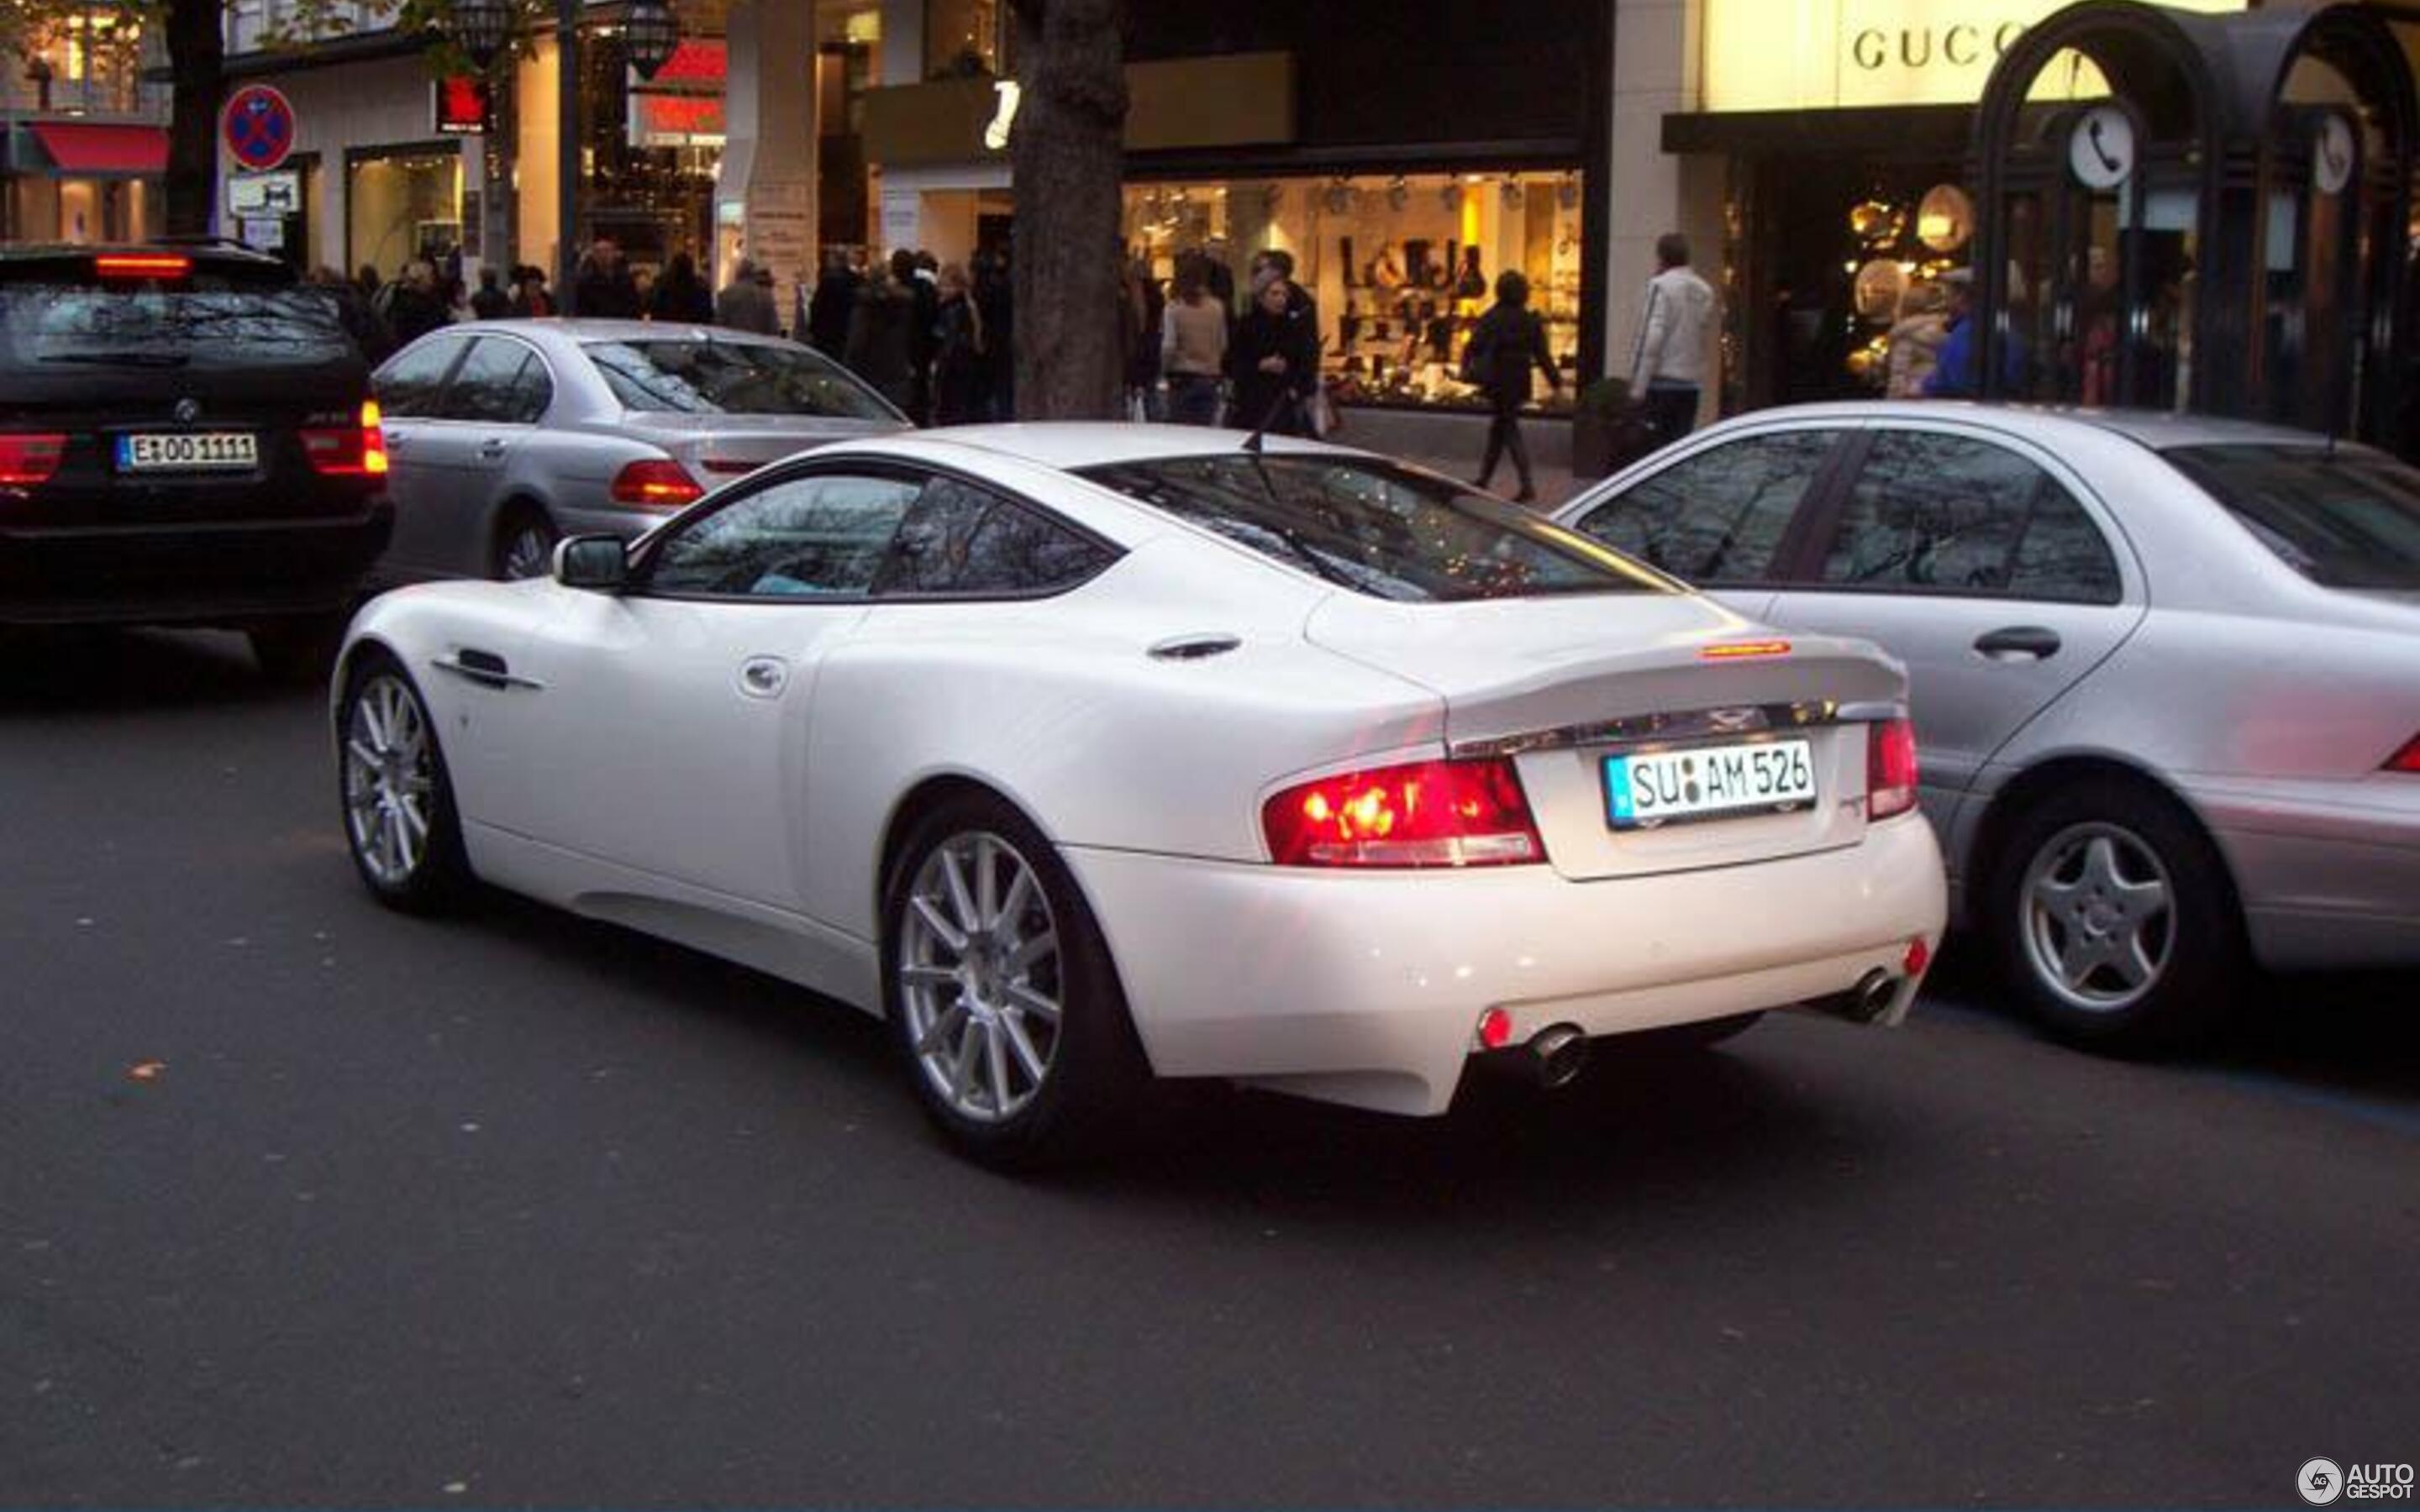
1669	368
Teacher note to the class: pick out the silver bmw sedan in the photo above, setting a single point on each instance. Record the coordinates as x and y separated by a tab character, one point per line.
504	436
2164	671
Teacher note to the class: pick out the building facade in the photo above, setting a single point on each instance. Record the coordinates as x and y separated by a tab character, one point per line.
84	143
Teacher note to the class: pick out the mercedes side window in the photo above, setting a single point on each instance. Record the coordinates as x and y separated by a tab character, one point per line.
822	536
1717	517
409	386
963	539
1933	513
491	385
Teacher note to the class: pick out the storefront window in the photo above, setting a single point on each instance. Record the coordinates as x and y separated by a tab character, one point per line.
1402	266
965	39
402	205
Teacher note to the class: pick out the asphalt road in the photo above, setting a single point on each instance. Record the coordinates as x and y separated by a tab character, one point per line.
303	1203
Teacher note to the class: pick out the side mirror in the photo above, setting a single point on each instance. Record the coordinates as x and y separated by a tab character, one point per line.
600	562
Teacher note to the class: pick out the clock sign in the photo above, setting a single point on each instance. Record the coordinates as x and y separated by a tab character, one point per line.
2332	155
2101	153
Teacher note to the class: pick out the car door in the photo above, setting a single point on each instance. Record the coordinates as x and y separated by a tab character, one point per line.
665	727
1974	558
409	388
495	397
1718	517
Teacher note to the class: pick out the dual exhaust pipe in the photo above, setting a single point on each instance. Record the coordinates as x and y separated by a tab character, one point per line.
1555	1056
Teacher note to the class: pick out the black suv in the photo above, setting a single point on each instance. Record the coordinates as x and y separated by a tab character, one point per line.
186	437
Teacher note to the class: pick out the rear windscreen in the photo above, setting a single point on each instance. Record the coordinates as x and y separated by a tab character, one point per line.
2344	518
65	325
686	376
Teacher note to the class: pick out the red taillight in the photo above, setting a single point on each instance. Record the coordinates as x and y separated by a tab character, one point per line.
656	482
1890	768
27	458
1427	813
2408	758
353	451
141	265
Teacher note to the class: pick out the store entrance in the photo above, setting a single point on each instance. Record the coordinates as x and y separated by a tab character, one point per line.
1840	260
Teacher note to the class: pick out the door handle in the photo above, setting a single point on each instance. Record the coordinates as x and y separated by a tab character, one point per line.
2019	643
492	449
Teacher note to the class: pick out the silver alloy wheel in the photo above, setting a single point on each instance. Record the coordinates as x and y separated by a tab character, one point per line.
390	779
2099	916
979	977
529	553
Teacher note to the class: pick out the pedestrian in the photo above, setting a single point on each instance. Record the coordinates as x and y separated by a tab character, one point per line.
996	301
746	304
1142	309
918	274
1278	261
1958	373
1916	339
1274	362
881	335
414	305
1668	367
1193	344
1509	341
834	309
958	357
491	303
603	288
680	297
354	313
531	301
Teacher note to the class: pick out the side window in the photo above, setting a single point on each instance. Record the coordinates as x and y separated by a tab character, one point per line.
961	539
490	384
407	387
804	537
1717	517
1948	514
532	390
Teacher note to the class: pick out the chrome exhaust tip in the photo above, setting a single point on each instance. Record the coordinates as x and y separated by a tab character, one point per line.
1871	998
1556	1053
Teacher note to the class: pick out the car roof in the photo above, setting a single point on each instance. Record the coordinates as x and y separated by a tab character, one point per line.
1073	445
2159	429
575	328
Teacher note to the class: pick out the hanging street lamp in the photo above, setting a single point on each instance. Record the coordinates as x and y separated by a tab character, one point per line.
480	28
650	33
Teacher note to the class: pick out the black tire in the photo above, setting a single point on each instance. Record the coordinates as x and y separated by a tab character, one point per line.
2111	917
1704	1035
524	545
373	795
299	652
1093	1069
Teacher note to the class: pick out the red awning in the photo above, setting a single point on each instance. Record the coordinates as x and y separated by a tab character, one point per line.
83	147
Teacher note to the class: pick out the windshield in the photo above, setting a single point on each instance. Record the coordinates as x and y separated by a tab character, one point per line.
158	327
686	377
1379	528
2349	518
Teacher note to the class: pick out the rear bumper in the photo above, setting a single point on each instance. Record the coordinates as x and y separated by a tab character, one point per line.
1366	987
213	573
2329	872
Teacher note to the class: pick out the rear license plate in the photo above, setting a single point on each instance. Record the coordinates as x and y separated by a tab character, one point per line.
1644	789
206	451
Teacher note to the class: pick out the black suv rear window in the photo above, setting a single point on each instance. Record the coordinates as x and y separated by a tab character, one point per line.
53	314
1378	528
2347	517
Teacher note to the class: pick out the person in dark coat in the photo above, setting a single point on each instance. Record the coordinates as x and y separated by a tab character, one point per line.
881	339
1510	340
919	275
1274	360
604	289
680	297
1144	311
490	302
531	301
958	360
354	313
414	308
746	304
996	302
834	309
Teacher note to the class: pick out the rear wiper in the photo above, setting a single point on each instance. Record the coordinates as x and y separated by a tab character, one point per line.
122	358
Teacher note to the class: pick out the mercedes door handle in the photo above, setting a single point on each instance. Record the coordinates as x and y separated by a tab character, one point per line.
492	451
2019	643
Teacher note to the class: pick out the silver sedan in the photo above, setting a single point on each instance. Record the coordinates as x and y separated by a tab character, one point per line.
504	436
2166	673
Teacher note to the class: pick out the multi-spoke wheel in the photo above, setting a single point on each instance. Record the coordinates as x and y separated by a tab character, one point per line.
2113	916
525	546
999	989
399	820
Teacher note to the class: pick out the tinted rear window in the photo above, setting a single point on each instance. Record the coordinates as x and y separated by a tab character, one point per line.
729	378
1378	528
2346	519
202	322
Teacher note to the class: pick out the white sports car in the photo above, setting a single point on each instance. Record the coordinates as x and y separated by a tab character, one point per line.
1089	753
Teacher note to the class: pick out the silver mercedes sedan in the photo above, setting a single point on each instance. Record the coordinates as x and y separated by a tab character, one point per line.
2166	673
504	436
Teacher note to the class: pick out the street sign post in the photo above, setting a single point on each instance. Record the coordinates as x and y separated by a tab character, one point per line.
258	127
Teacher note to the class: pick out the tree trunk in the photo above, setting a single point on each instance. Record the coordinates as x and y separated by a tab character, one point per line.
196	49
1068	151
